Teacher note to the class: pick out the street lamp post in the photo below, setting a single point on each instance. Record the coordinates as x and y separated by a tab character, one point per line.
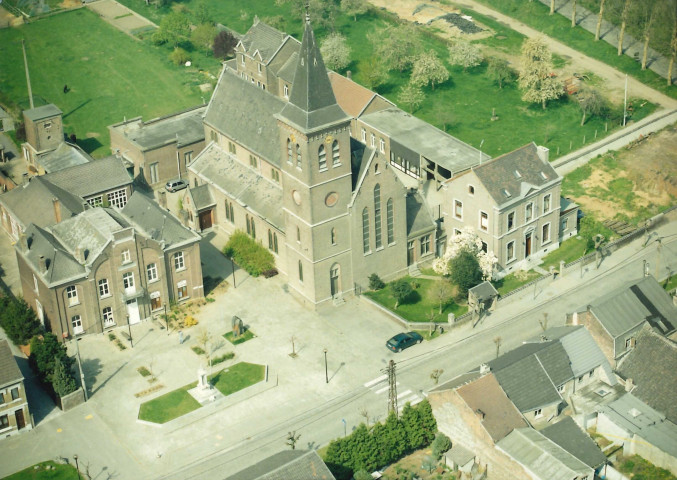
77	467
129	327
326	372
232	269
82	374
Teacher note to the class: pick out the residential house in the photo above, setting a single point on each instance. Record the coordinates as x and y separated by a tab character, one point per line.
48	199
287	465
513	204
649	371
615	319
14	413
160	149
641	430
108	266
568	435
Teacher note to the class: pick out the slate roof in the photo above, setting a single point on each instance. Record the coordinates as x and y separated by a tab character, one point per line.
184	128
9	370
485	396
633	303
311	102
483	291
21	202
636	417
541	456
500	174
64	156
61	265
352	97
652	365
287	465
264	39
246	113
241	183
45	111
202	196
419	219
283	64
566	205
425	139
568	435
92	178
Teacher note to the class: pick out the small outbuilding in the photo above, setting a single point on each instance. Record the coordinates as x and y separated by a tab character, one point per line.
482	297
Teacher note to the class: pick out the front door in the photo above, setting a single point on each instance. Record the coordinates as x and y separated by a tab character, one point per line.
334	280
205	219
410	253
133	312
20	421
527	245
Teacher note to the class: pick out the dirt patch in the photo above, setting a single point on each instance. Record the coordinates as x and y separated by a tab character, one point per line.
92	135
70	4
412	464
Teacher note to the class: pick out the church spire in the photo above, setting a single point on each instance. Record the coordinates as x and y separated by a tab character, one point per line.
312	103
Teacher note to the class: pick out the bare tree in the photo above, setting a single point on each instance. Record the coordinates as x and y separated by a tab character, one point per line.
498	341
374	73
204	338
600	17
440	291
436	374
624	24
544	323
573	13
292	438
354	8
592	102
500	72
364	413
396	46
443	115
673	49
649	19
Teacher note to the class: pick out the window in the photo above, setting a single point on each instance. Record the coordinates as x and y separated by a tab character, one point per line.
251	228
365	230
377	216
372	139
103	288
546	203
232	148
108	320
272	241
629	342
425	245
98	200
155	172
560	388
178	261
529	212
242	59
126	256
458	209
275	175
15	393
72	294
333	236
375	167
182	290
382	145
230	213
47	125
290	153
2	398
471	190
298	156
335	154
364	135
286	91
77	325
260	68
252	161
35	283
591	373
511	221
484	221
511	251
128	281
187	157
300	272
4	421
538	413
546	233
389	221
213	136
151	271
565	224
322	157
118	198
155	301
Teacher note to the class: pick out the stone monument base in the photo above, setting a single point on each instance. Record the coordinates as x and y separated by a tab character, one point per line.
205	395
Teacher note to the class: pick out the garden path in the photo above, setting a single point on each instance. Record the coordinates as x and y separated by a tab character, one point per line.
120	17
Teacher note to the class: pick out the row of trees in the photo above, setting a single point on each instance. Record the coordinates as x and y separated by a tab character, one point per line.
371	447
18	320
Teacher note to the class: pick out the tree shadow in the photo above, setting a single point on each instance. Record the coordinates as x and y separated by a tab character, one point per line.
91	367
40	404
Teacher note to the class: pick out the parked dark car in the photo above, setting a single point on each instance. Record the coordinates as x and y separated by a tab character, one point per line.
176	185
403	340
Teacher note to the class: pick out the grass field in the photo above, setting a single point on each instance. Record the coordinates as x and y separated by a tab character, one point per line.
569	250
111	76
247	335
57	471
239	376
514	280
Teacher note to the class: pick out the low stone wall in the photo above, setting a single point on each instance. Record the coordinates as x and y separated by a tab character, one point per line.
72	400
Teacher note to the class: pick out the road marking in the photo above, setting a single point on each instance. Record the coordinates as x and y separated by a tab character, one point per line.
58	430
406	392
383	389
89	417
375	381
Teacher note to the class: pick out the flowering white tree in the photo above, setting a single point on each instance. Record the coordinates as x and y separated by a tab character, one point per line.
466	240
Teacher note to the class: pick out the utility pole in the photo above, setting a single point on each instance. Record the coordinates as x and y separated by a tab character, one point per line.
392	387
625	100
28	77
658	253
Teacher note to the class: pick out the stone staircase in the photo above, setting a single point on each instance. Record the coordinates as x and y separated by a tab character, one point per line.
338	300
414	271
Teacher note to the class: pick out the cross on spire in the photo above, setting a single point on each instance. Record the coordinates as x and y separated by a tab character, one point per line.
307	11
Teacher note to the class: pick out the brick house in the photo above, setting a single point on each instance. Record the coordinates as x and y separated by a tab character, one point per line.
14	414
106	266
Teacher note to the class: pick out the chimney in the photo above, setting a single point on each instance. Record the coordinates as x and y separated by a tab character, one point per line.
57	209
543	153
575	319
42	264
349	74
629	385
484	369
480	414
80	254
23	242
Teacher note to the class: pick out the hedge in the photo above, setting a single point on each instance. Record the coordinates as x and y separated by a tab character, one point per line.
253	257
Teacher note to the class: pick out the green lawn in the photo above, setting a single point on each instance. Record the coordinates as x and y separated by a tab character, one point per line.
419	306
239	376
668	285
111	76
247	335
514	280
640	469
569	250
169	406
537	16
59	472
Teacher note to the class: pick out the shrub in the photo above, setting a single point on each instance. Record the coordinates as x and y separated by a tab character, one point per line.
18	320
401	290
190	321
179	56
375	282
197	350
63	381
52	364
253	257
465	271
269	273
223	358
441	444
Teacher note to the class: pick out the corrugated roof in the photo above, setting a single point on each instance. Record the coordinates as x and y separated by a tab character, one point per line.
584	354
93	178
64	156
568	435
9	370
287	465
541	456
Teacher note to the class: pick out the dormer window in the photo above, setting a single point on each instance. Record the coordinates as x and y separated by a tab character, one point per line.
242	59
507	193
544	176
286	91
259	67
518	174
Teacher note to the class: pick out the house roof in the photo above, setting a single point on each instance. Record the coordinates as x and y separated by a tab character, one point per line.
49	110
21	202
9	370
541	456
566	205
636	417
457	381
241	183
459	455
264	39
64	156
425	139
92	178
202	196
568	435
485	397
283	64
418	217
483	291
352	97
635	302
516	172
312	104
183	127
287	465
242	111
651	365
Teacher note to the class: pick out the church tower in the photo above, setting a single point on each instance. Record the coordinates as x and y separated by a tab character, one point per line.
317	183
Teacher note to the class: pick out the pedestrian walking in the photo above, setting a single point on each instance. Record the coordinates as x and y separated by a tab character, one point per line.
65	89
180	337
